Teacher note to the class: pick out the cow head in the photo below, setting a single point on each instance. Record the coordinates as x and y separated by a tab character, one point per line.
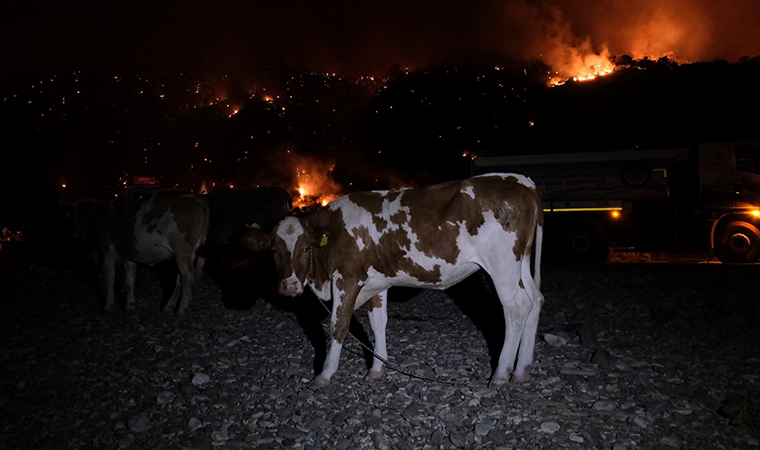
293	244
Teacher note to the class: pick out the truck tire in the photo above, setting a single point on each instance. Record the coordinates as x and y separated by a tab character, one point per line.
737	242
582	240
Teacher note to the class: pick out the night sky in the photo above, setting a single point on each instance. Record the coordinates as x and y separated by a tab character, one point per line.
240	93
363	37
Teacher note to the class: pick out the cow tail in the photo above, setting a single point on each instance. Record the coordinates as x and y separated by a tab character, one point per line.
535	241
539	245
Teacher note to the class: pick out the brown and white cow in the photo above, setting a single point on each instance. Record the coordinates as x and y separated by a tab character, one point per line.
146	230
433	237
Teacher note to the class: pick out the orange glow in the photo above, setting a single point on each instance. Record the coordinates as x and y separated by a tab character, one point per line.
615	214
314	183
756	212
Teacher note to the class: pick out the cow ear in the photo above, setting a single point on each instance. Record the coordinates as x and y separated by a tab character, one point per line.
321	237
256	241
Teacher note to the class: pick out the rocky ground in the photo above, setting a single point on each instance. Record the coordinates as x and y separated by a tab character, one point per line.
630	356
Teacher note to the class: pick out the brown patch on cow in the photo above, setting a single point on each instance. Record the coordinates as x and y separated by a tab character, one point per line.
346	308
522	286
375	302
372	202
187	211
434	215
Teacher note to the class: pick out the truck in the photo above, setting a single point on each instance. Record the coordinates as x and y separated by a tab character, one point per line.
701	199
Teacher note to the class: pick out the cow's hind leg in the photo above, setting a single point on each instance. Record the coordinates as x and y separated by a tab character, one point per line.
171	304
378	318
130	271
184	287
517	307
109	276
528	340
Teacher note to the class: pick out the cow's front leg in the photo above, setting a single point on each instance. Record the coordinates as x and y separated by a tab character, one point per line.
342	311
130	270
378	318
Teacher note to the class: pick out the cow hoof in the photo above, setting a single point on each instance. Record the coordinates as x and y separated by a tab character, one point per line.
108	308
318	383
497	383
374	375
519	379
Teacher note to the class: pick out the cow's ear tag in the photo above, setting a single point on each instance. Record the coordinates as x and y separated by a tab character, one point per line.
323	240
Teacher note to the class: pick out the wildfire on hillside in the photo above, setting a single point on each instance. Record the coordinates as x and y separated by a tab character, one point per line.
579	63
314	183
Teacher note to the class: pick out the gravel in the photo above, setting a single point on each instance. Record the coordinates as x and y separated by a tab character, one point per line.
629	356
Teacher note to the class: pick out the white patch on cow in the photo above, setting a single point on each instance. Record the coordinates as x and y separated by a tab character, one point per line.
152	247
324	291
469	190
289	230
522	179
253	226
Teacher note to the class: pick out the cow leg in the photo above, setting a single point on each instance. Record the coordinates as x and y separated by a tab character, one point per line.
130	271
342	311
109	276
528	340
378	318
171	304
517	307
185	278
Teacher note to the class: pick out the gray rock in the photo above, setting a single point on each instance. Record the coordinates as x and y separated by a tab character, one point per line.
671	441
193	424
602	358
550	427
165	397
138	423
604	405
200	379
482	429
555	340
290	432
437	437
457	439
219	435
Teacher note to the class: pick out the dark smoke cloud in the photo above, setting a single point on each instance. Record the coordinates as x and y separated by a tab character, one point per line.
366	37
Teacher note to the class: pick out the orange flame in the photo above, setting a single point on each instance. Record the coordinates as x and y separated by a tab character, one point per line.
315	185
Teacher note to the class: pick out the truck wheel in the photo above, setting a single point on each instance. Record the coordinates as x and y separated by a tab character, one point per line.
737	242
583	241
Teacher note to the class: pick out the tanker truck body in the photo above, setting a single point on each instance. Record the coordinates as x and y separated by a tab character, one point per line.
703	199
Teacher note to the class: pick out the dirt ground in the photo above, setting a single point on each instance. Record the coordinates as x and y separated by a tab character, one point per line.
629	356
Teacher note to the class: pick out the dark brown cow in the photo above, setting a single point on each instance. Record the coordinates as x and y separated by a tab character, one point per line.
146	230
360	245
